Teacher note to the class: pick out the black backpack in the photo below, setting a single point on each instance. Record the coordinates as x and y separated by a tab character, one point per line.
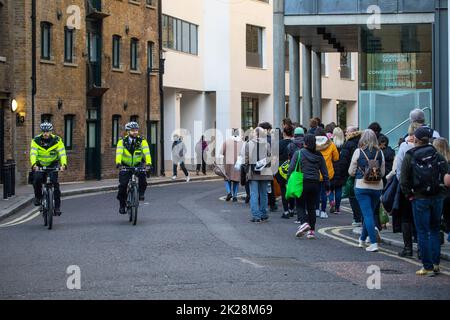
425	166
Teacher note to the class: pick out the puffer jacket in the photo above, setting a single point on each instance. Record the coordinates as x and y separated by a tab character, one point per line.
298	143
329	152
313	166
340	171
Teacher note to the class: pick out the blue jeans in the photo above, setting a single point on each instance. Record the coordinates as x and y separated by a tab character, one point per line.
368	201
228	186
258	198
427	218
322	200
336	195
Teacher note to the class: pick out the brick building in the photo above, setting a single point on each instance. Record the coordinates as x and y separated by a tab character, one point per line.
91	68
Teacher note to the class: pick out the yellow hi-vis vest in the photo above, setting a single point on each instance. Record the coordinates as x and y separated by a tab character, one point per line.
47	153
130	155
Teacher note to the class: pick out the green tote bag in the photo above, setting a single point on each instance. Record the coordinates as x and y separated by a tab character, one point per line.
295	183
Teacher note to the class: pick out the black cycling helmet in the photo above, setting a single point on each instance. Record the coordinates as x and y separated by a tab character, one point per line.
131	125
46	127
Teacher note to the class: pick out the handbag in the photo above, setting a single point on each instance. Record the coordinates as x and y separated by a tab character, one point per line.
219	170
349	188
389	193
384	217
295	182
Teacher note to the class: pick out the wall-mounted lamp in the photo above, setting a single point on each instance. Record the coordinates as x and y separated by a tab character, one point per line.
14	105
125	106
59	14
60	103
127	29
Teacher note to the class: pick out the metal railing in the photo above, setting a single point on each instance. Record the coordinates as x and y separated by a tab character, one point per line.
9	179
315	7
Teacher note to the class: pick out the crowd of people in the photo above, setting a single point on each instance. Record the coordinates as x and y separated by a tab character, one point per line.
411	185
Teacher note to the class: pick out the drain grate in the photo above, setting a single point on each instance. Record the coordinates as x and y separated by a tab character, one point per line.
390	271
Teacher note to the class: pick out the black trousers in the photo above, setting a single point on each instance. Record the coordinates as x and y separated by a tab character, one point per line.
287	204
182	166
202	166
39	178
271	201
124	178
357	214
306	204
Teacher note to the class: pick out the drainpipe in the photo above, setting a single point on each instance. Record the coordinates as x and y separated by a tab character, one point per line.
33	64
161	87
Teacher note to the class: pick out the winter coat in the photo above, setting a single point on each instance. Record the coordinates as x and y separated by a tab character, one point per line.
349	147
178	151
329	152
340	171
283	150
255	150
230	151
389	156
201	149
312	165
297	143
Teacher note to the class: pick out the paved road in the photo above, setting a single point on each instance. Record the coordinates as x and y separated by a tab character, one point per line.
188	244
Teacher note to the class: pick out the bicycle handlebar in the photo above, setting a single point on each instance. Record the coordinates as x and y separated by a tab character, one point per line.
134	169
48	169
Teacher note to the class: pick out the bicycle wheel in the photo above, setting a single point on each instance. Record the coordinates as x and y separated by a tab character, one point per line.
43	207
135	204
129	205
50	208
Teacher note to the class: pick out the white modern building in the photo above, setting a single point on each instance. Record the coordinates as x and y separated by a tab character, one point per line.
219	71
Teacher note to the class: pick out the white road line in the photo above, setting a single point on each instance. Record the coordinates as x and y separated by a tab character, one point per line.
36	214
17	220
243	260
337	235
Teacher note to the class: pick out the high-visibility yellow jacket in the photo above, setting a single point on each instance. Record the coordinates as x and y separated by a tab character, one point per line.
47	151
132	154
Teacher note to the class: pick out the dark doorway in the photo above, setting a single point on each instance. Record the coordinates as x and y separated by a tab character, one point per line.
2	139
152	138
93	158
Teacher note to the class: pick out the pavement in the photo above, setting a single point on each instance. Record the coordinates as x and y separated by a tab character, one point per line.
24	193
190	244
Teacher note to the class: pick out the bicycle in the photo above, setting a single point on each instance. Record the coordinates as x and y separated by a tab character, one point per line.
47	207
133	192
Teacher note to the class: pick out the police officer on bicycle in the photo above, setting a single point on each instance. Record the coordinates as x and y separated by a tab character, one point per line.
47	150
132	151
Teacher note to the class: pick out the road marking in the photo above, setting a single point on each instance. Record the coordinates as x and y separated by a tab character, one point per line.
23	218
243	260
337	235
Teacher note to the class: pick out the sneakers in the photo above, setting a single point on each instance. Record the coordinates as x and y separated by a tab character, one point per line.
425	272
265	219
356	224
311	235
254	220
188	178
338	211
406	253
372	248
174	177
332	207
378	235
297	222
361	244
122	210
291	213
436	269
304	228
229	196
141	197
247	199
235	199
285	215
317	213
368	241
58	212
323	215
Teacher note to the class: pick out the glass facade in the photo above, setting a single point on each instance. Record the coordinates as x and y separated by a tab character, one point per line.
395	76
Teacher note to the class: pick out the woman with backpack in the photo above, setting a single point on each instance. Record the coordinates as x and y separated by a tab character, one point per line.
368	168
441	145
312	164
